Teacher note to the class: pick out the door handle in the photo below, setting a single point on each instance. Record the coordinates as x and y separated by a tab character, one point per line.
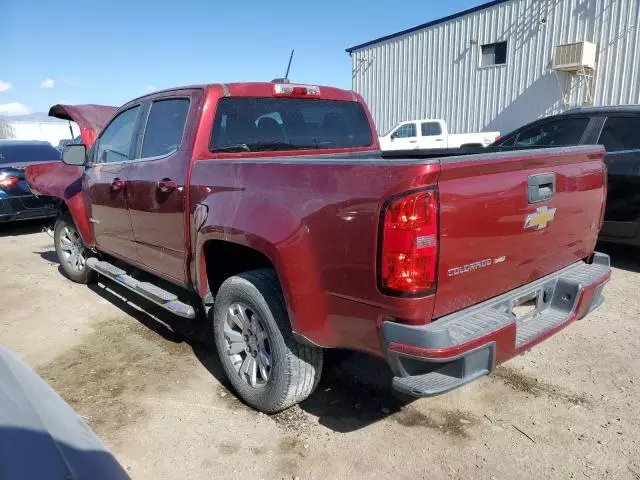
166	185
541	187
413	141
439	139
117	184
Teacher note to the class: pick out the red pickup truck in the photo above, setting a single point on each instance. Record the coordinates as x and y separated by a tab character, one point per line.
272	204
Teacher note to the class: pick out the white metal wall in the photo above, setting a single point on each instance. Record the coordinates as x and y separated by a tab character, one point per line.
435	72
51	132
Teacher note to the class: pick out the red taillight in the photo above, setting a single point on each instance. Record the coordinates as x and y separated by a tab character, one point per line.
409	250
6	181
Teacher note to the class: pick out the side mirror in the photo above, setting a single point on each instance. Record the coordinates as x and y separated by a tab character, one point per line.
75	154
394	135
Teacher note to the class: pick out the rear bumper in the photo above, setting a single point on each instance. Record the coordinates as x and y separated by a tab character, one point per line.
458	348
27	207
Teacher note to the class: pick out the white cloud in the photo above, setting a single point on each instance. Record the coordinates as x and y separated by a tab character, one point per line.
4	86
14	108
48	83
151	87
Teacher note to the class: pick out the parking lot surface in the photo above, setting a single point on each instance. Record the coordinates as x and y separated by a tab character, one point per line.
151	387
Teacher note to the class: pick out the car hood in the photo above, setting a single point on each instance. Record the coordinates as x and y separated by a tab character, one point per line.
41	436
90	118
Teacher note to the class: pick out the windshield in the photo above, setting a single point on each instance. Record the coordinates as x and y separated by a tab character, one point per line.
28	152
269	124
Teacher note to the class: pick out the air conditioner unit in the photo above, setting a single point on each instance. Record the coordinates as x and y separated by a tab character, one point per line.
574	56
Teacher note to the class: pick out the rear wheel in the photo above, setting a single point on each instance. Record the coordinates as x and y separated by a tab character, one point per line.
71	251
267	367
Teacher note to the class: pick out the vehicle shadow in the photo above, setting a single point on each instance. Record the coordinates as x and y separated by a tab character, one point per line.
624	257
24	227
354	390
49	256
196	333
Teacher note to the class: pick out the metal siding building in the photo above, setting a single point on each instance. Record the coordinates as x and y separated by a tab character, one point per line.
434	70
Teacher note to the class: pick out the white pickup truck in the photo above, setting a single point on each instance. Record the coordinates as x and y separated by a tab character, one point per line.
431	133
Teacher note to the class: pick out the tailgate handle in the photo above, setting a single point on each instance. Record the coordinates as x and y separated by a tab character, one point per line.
541	187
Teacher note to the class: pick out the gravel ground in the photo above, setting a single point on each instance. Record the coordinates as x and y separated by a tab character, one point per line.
151	387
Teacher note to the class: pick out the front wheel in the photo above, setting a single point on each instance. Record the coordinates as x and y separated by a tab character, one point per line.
267	367
71	251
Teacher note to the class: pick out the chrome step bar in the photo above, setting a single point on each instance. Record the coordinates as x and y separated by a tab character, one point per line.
149	291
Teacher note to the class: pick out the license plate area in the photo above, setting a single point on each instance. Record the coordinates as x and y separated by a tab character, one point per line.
526	307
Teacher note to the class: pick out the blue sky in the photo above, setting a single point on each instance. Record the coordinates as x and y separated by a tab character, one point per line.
109	52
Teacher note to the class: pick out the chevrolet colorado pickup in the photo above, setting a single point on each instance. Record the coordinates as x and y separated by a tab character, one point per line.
271	204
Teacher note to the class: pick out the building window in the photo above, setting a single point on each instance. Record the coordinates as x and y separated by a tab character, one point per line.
494	54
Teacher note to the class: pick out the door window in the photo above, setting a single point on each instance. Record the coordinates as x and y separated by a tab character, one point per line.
407	130
621	133
165	125
554	133
115	142
431	129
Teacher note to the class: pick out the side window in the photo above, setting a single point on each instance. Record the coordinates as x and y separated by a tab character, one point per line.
508	142
114	144
621	133
430	129
407	130
554	133
165	125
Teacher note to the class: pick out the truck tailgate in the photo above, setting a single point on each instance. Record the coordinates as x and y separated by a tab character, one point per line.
498	229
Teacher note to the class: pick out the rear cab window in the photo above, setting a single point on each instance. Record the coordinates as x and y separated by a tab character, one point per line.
249	124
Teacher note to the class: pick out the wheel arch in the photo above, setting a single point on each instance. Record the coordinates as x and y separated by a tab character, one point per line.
220	256
75	207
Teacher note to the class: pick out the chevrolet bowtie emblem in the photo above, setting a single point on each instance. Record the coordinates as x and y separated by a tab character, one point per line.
540	219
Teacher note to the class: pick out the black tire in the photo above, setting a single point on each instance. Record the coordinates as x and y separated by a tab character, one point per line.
79	275
295	368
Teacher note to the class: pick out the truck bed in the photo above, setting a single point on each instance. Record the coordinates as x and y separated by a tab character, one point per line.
320	217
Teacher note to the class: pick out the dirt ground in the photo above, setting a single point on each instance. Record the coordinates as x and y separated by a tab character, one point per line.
151	387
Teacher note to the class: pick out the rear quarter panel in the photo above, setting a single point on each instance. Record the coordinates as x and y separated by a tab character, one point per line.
317	221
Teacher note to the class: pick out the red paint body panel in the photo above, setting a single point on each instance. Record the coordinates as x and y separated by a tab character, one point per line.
319	229
159	220
316	217
65	182
90	118
483	207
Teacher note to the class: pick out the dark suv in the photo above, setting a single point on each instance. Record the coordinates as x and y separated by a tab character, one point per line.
618	129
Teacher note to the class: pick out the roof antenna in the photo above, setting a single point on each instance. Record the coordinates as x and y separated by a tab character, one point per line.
286	75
